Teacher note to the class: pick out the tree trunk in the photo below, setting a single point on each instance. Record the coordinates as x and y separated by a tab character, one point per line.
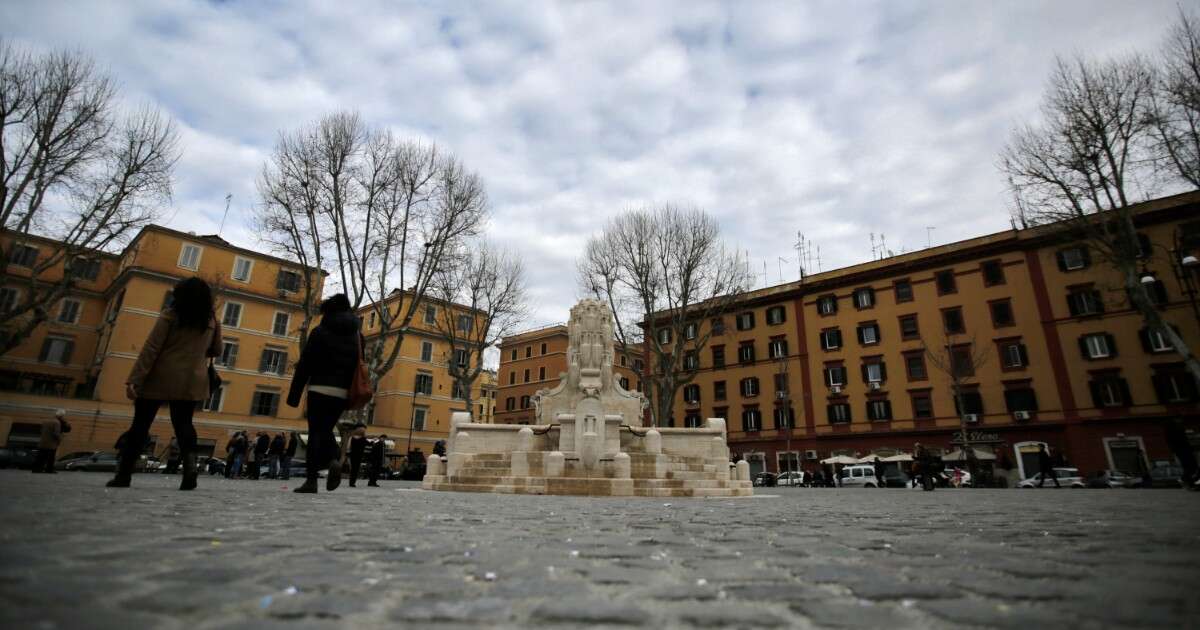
1144	305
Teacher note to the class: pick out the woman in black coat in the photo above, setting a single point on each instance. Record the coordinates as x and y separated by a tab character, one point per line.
326	368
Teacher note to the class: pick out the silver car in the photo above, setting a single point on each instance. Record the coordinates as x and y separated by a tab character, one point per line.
1067	478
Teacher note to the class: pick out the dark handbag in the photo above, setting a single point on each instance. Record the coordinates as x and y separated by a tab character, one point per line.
214	379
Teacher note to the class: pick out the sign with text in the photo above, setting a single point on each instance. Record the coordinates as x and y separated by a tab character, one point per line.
976	437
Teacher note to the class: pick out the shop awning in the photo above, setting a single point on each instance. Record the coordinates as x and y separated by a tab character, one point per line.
900	457
958	455
840	459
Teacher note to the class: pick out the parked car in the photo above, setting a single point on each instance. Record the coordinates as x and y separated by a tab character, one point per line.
100	461
794	478
1161	477
17	457
71	461
1111	479
859	476
764	479
1067	478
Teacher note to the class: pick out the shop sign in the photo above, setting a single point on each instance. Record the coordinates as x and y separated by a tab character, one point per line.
976	437
1123	444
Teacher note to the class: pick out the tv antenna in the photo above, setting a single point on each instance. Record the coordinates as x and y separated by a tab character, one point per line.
929	236
228	199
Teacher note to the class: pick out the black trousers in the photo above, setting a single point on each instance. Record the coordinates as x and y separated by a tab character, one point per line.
355	465
1049	472
374	474
144	411
43	461
323	414
254	466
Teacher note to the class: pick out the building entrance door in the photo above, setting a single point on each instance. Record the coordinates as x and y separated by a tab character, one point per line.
757	463
1126	455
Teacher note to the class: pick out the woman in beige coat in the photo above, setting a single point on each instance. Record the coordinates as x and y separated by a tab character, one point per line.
171	369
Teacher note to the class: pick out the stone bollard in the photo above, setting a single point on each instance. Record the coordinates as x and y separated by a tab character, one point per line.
743	470
433	466
653	442
623	468
589	451
525	440
555	461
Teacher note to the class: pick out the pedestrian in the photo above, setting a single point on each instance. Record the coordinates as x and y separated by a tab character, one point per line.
358	446
879	473
262	445
1181	446
378	449
439	448
274	454
237	445
49	441
289	453
171	455
1046	467
923	460
326	368
170	369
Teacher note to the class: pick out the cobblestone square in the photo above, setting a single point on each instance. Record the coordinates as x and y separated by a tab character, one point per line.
243	554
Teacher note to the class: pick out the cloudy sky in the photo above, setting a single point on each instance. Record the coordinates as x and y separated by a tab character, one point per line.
833	119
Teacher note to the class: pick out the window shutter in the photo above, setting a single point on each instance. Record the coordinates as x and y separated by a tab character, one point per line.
1073	304
262	362
829	413
1062	262
1083	349
828	376
1097	301
1023	354
864	372
1126	398
1087	258
1162	387
1188	386
45	350
1144	337
1143	243
274	405
66	358
283	363
833	304
1112	344
1097	399
882	371
887	409
859	331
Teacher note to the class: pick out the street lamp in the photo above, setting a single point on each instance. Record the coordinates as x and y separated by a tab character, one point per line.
1185	265
412	416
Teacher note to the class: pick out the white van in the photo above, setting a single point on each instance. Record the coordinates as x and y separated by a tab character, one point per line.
858	476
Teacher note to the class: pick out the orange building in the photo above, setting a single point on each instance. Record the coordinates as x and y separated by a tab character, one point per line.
534	360
834	364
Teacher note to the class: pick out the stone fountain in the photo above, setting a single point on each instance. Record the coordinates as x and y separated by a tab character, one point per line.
587	439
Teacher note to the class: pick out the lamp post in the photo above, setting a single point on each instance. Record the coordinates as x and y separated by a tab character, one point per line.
412	416
1184	265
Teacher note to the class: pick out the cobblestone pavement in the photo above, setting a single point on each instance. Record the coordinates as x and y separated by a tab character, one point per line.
244	554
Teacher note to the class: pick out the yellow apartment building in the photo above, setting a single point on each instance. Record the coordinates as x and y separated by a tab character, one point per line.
534	360
833	364
80	359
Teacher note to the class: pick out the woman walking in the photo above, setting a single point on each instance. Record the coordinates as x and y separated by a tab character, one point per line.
326	368
171	370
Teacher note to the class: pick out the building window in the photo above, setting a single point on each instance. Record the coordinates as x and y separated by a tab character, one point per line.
962	363
424	384
691	361
430	314
189	257
718	325
56	350
23	256
637	366
85	268
371	320
214	400
864	297
914	366
622	356
1013	355
229	352
426	352
879	410
525	402
827	305
745	321
835	375
280	325
776	315
464	323
420	415
972	403
542	373
68	311
922	405
1073	258
512	354
952	319
512	378
904	291
664	336
1097	346
868	333
1020	399
781	385
241	268
510	403
909	328
264	403
838	413
752	419
777	348
874	372
689	331
691	393
456	390
746	352
1109	390
831	339
718	356
624	383
273	361
460	359
8	299
544	352
233	315
993	273
784	418
1083	301
945	282
749	387
1002	314
526	375
1155	341
287	281
1174	385
1156	289
719	390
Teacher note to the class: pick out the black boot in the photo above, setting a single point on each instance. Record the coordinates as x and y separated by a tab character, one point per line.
124	472
335	475
189	472
309	487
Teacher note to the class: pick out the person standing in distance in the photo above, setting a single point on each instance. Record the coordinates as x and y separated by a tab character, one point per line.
290	452
49	441
171	369
326	368
358	446
1046	467
377	452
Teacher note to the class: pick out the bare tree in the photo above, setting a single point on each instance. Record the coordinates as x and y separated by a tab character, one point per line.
1175	109
663	269
387	213
73	168
483	293
1083	168
958	362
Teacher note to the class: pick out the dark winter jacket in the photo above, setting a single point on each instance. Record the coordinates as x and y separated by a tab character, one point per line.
293	444
277	446
329	357
377	450
261	445
358	445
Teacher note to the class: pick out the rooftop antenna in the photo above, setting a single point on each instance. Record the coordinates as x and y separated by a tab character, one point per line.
228	198
928	236
818	259
780	263
873	250
883	252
